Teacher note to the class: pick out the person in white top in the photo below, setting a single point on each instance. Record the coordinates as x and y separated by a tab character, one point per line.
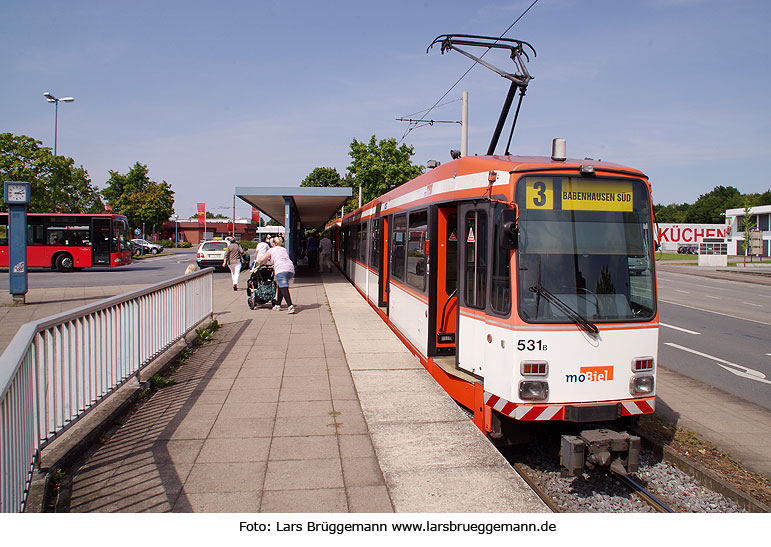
262	248
325	250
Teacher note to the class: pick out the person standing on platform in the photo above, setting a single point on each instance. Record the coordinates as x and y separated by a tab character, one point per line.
283	269
233	260
313	252
325	252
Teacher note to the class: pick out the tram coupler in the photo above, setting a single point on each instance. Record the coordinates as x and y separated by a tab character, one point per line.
600	448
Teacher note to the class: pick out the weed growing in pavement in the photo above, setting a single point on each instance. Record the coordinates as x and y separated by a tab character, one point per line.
159	382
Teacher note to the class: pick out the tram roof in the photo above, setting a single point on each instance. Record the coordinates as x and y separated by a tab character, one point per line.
314	205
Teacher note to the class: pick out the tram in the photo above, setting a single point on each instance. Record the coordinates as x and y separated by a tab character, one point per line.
524	285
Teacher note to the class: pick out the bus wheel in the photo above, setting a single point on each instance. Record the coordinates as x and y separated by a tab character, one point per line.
65	263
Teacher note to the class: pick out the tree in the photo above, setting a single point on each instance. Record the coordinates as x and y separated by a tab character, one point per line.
749	226
710	207
322	176
379	166
137	197
23	158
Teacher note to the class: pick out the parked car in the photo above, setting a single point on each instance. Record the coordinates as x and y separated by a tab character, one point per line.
637	264
687	250
145	247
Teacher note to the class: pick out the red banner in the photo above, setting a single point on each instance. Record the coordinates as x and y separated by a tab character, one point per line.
255	215
201	213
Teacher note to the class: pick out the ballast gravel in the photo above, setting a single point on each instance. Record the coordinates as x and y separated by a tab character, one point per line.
596	492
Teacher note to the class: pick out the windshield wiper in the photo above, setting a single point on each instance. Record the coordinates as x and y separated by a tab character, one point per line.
577	318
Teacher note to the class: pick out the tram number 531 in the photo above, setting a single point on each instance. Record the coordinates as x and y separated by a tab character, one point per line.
531	345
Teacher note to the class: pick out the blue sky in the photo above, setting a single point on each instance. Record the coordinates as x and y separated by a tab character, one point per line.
214	95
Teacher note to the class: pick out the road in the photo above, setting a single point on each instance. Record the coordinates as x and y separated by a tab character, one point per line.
148	270
717	332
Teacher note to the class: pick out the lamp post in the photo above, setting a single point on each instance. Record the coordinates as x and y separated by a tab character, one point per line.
51	99
175	218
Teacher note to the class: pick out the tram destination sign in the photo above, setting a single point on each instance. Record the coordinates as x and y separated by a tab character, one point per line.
579	195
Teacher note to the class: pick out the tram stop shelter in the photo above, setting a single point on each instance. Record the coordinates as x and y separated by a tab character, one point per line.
296	209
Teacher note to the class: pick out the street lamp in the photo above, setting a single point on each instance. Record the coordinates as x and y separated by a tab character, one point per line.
51	99
175	218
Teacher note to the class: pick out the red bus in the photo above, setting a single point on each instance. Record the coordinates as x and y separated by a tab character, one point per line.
71	241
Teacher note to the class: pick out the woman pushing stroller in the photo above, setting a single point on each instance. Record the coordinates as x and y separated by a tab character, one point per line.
283	269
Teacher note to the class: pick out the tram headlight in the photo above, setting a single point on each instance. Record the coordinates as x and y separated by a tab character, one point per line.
641	385
533	390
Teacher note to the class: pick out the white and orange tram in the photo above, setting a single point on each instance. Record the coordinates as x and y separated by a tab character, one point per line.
524	285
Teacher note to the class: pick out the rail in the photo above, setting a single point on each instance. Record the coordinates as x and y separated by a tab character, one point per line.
58	368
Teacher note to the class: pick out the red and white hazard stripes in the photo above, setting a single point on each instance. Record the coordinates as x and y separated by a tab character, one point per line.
529	412
642	406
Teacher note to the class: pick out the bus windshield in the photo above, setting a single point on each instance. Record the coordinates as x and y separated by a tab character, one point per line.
584	250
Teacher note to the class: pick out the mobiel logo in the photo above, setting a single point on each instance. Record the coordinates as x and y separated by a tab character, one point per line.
602	373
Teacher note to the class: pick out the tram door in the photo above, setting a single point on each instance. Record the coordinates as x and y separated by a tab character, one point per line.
443	280
474	251
381	235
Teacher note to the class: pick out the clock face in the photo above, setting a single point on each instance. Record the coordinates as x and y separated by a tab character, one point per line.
16	193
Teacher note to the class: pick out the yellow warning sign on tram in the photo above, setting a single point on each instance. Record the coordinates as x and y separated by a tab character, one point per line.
580	195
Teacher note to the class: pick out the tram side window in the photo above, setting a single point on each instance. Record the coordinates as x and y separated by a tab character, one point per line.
363	243
500	298
475	267
416	250
354	242
399	246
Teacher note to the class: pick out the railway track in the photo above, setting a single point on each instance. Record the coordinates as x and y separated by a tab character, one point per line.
656	487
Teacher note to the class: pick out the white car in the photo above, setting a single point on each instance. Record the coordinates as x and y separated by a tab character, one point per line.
146	246
211	253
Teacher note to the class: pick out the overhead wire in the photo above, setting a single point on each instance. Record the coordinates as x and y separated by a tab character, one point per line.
410	127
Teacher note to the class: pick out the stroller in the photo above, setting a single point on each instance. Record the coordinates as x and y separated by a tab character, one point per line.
261	287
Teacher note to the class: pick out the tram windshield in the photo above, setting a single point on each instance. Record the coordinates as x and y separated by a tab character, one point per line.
584	251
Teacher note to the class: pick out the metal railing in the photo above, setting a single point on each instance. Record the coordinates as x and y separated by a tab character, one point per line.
58	368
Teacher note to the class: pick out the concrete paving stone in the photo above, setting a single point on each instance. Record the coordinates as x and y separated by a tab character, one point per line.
218	384
351	425
260	371
257	395
300	448
234	450
356	446
372	345
248	410
225	477
415	406
211	396
383	361
314	379
301	426
394	381
176	451
362	472
308	474
325	500
242	428
154	499
411	446
341	391
318	392
230	502
290	409
188	429
257	382
462	490
369	499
